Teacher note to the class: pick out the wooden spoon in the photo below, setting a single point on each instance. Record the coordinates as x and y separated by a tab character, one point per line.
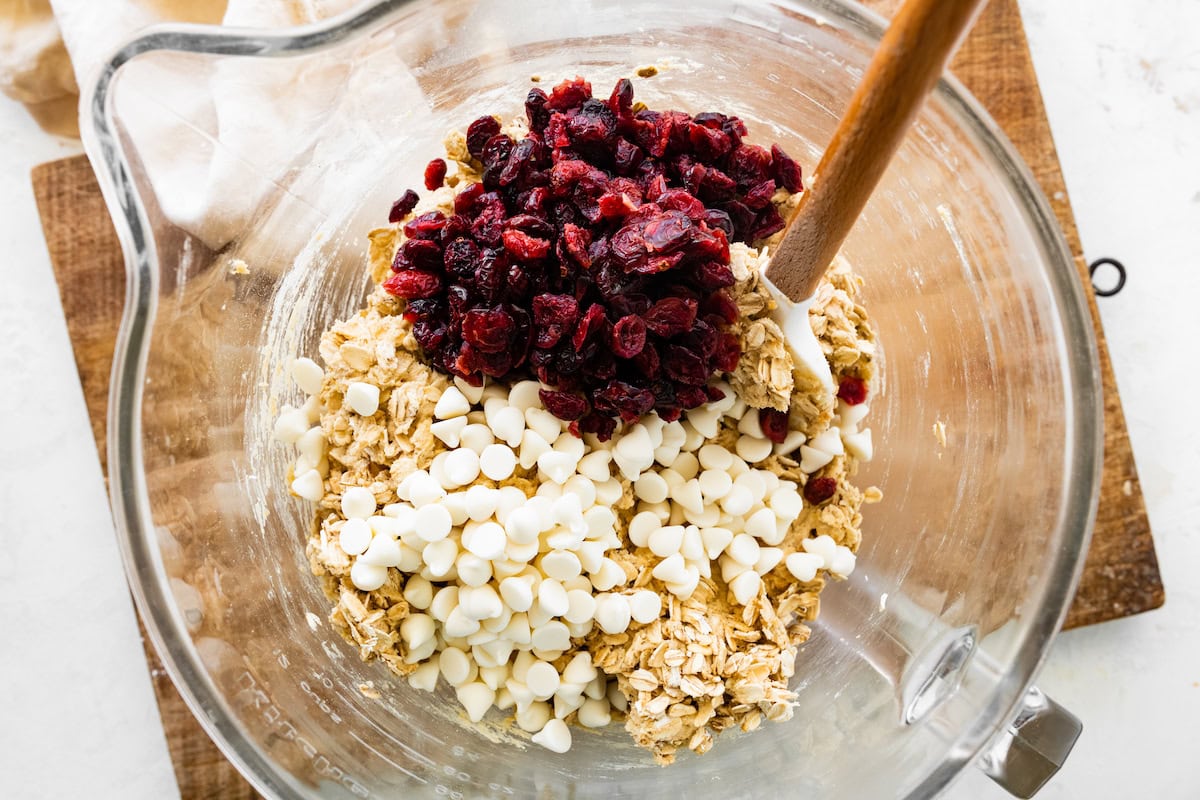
909	62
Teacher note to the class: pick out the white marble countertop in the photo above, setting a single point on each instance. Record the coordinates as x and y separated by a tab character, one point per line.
1122	87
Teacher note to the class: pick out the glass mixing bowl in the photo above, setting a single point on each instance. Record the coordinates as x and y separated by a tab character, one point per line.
244	170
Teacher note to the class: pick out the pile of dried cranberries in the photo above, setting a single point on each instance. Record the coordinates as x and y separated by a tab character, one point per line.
594	254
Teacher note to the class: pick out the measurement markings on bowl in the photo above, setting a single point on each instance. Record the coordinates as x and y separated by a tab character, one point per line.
249	694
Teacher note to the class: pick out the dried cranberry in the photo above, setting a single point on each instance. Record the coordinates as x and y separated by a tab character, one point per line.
713	275
426	226
710	145
728	353
488	330
774	424
429	335
852	391
685	366
479	133
464	201
621	98
628	336
564	405
758	197
403	207
592	321
569	94
599	424
525	247
594	126
671	316
749	165
769	222
690	397
535	110
818	490
412	284
786	170
555	309
721	304
435	174
461	257
630	401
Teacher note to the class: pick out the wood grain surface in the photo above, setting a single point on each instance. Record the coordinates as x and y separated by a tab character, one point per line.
1121	574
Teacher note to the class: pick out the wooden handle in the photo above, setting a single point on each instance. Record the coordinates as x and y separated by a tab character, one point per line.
908	64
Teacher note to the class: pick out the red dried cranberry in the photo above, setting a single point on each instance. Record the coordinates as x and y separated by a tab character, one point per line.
594	126
728	353
749	165
525	247
593	320
684	366
690	397
478	134
426	226
769	222
576	241
671	316
435	174
569	94
774	424
520	160
535	110
710	145
629	336
555	309
599	424
429	335
818	490
723	305
422	254
464	201
647	361
630	401
403	207
852	391
410	284
488	330
787	171
564	405
713	275
461	257
758	197
621	98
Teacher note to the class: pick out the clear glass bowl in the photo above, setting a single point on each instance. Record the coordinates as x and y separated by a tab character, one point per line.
283	150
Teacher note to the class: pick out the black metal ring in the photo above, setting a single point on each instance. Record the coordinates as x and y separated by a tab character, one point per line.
1112	262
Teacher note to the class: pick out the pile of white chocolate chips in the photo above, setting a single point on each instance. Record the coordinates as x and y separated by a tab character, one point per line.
664	576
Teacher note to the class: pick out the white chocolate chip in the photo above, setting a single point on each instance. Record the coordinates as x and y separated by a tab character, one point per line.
745	586
307	375
753	449
363	398
804	566
449	430
367	577
358	503
290	425
453	403
309	486
555	736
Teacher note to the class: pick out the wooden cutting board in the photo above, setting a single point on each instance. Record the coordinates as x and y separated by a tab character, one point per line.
1121	574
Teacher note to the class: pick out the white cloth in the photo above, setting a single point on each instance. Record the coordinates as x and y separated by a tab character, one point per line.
211	192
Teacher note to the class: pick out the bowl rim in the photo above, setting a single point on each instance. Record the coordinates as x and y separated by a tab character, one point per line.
128	491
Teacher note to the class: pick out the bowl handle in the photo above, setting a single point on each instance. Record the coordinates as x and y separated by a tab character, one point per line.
1033	747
